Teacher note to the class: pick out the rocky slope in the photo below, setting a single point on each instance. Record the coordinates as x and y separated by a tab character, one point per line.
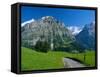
86	37
46	29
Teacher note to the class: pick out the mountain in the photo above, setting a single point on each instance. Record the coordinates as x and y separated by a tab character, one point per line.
75	29
26	22
46	29
86	38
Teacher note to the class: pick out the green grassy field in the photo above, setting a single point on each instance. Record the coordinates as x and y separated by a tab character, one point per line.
33	60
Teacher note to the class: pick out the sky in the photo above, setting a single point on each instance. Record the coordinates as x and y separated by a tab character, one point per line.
71	17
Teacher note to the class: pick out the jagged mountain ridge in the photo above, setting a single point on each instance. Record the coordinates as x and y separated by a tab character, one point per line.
57	34
86	37
46	29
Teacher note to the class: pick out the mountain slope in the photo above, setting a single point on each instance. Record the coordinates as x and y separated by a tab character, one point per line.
86	37
46	29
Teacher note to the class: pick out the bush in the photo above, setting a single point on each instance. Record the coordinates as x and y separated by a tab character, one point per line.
42	46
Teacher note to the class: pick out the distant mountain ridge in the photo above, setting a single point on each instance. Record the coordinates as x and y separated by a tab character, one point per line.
57	34
86	37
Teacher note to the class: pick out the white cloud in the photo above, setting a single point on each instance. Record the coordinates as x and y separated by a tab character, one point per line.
75	29
29	21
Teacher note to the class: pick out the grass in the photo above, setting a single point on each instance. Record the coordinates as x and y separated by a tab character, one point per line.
33	60
89	58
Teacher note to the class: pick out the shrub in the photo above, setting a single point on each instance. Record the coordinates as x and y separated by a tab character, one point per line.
42	46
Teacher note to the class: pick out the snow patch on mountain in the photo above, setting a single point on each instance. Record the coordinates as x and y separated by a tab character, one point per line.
75	29
26	22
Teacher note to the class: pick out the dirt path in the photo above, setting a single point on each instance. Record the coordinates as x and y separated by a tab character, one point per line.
70	63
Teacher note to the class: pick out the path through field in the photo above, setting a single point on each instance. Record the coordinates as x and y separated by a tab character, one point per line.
70	63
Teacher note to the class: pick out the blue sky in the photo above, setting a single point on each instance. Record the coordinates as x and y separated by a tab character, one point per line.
71	17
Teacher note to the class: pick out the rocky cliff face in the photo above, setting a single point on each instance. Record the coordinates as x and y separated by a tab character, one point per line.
86	37
46	29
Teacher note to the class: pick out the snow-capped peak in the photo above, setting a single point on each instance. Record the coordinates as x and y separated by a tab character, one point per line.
75	29
46	17
26	22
